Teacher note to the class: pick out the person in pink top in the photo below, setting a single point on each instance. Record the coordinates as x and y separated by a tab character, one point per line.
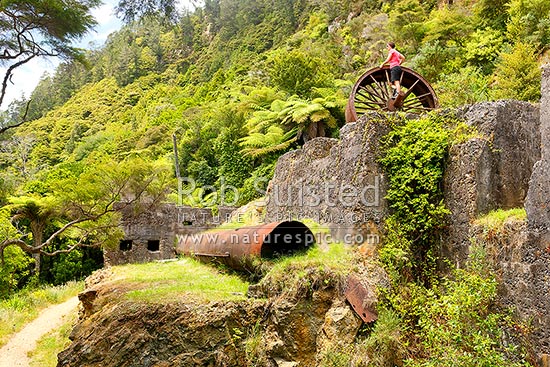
394	59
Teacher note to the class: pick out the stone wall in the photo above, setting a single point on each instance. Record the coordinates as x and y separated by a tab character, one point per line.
522	269
538	198
491	171
334	182
150	234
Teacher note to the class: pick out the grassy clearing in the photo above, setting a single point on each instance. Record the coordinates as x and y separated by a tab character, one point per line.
47	348
26	305
177	280
496	219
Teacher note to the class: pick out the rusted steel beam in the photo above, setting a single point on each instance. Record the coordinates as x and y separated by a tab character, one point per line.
238	247
361	299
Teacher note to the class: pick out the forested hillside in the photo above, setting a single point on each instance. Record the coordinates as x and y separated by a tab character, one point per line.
234	84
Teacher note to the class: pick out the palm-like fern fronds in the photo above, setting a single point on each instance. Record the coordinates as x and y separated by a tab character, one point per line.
274	140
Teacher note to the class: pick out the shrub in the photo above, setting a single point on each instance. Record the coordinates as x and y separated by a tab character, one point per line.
517	75
466	86
414	156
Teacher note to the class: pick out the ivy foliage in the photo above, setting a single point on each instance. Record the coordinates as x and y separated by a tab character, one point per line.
414	157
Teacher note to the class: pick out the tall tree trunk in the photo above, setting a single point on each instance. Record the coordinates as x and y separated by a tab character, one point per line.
37	230
37	263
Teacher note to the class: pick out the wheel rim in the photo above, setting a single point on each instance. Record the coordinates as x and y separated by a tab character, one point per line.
372	92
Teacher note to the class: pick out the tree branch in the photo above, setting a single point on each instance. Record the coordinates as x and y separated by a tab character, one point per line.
8	74
23	120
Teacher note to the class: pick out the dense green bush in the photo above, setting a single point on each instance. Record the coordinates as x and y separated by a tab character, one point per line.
467	85
414	157
15	270
517	74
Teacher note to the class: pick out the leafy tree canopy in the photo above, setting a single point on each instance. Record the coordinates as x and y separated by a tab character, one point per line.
37	28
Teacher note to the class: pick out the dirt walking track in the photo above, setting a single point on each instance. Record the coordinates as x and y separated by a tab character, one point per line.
14	353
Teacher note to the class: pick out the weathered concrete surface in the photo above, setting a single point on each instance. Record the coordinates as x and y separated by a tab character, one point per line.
513	130
338	183
162	223
522	268
545	112
538	199
537	206
491	171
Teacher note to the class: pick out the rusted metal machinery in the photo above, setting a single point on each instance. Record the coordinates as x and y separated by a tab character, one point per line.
361	299
237	247
372	92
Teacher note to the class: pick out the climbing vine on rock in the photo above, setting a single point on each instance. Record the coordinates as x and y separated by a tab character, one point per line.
414	158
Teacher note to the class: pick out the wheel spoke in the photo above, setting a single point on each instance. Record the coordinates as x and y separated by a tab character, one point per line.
366	96
409	91
367	103
413	103
423	95
384	87
373	93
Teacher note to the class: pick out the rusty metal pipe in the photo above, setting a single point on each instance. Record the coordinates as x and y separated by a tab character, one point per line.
237	247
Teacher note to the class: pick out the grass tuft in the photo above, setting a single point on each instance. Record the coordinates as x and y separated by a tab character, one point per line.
495	220
317	268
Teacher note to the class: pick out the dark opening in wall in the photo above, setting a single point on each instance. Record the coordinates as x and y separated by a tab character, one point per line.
125	245
187	223
153	245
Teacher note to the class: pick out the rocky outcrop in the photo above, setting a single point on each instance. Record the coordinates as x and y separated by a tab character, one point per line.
491	171
162	335
335	182
291	325
522	268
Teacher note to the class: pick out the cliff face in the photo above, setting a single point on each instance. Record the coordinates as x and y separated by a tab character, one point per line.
279	324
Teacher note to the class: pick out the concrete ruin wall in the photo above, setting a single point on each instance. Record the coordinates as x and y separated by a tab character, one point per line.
491	171
522	270
334	182
536	260
538	198
151	234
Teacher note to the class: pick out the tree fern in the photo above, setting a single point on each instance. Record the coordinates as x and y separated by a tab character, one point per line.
274	140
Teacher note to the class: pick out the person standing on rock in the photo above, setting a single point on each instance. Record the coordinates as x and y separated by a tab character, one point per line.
394	59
